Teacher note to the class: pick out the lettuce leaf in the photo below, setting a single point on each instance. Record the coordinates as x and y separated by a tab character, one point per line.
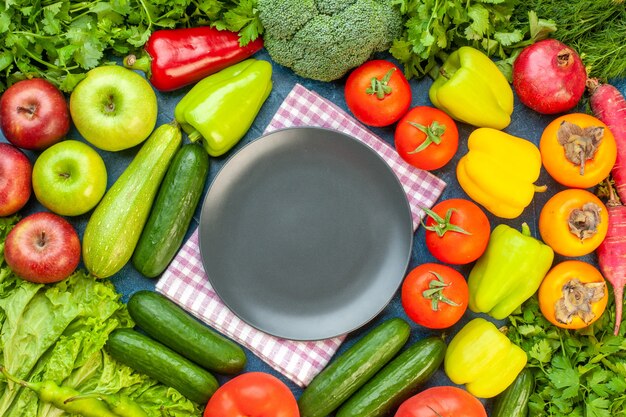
57	332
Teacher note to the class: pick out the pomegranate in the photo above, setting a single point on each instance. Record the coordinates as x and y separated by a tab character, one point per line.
549	77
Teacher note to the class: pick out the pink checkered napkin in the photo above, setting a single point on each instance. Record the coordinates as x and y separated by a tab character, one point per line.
186	283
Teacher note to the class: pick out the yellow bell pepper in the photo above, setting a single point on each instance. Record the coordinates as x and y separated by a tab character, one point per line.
471	89
483	358
499	170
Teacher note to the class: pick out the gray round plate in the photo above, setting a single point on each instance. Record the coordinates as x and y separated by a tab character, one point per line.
306	233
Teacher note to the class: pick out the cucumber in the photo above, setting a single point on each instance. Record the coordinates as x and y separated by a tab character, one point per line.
397	381
115	225
166	322
151	358
351	369
172	210
513	401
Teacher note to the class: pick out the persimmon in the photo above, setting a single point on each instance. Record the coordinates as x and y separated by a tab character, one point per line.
573	222
573	295
578	150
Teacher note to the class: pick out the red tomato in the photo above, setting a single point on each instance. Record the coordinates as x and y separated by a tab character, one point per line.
426	138
434	296
457	231
442	402
377	93
253	394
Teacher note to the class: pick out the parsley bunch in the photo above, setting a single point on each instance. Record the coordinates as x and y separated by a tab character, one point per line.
433	28
577	373
60	40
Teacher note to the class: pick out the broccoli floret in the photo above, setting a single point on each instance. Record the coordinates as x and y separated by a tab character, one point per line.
340	35
284	18
331	7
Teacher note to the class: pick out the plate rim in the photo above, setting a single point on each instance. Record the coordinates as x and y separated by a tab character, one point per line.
409	228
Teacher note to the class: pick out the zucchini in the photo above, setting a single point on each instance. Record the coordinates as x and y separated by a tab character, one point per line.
151	358
351	369
513	401
397	381
115	225
166	322
172	210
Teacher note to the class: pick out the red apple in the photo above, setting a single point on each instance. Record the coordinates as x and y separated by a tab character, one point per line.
15	179
42	248
34	114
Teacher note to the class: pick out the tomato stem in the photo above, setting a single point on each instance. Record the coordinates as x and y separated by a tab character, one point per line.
434	293
442	225
433	134
381	87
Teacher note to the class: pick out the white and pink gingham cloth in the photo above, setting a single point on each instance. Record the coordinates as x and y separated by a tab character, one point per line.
186	283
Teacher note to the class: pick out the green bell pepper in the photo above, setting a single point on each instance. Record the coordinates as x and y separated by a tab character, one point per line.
471	89
220	109
509	272
483	358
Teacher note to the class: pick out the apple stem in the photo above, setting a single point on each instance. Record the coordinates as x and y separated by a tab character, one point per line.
109	105
41	242
30	110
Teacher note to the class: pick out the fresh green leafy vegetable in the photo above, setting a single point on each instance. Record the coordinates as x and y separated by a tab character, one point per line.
239	16
433	28
577	373
57	332
324	39
60	40
595	29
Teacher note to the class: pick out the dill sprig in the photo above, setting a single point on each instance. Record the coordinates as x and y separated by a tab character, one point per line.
595	29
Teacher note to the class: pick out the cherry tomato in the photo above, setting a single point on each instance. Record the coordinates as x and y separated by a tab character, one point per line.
443	401
252	394
434	296
378	93
573	222
578	150
457	231
573	295
426	138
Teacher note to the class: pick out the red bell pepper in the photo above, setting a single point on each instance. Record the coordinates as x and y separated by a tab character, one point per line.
175	58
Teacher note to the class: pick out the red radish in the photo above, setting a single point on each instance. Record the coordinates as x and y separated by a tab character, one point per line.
549	77
612	254
609	105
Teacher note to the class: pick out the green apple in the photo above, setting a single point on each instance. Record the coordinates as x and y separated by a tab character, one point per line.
69	178
113	108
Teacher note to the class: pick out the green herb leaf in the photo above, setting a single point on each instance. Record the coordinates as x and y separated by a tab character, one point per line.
541	352
598	407
577	373
479	22
238	16
432	28
509	38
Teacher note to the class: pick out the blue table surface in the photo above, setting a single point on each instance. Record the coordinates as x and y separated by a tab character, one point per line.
525	123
